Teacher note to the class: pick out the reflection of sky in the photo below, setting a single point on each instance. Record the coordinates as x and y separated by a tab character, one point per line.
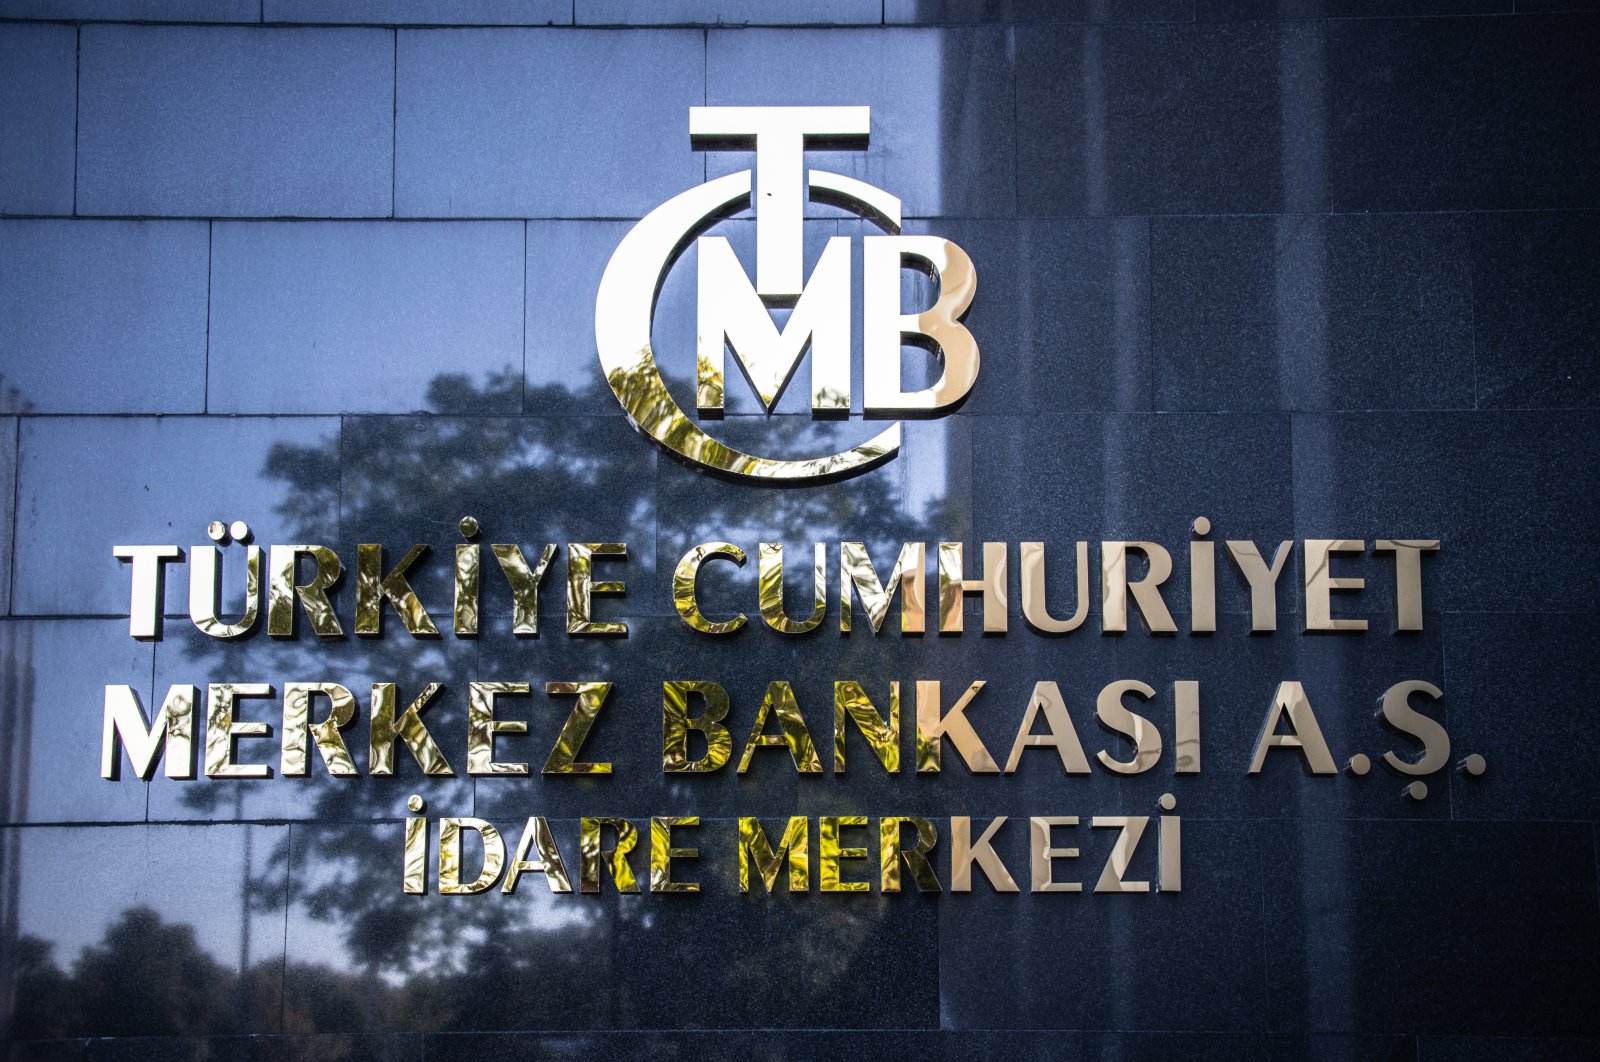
76	882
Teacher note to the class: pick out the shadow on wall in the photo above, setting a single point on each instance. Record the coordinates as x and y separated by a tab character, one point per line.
397	962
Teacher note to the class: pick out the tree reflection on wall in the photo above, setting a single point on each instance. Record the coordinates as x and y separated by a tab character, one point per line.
494	962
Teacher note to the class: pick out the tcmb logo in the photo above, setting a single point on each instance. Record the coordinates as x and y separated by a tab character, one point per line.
734	313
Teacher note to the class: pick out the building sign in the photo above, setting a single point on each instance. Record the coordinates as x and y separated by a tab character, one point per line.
893	724
734	314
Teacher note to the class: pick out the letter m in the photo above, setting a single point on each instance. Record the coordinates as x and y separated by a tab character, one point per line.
732	314
125	727
754	847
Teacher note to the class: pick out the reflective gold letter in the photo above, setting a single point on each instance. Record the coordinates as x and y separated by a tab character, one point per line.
124	718
753	846
482	726
676	724
1320	583
683	587
882	737
908	576
591	695
780	701
932	729
581	587
1304	733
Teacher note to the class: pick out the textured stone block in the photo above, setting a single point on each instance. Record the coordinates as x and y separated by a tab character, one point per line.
235	122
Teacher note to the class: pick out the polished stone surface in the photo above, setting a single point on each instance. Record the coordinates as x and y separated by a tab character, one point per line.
1351	312
235	122
1474	113
173	477
8	474
38	98
939	159
421	12
135	10
1170	118
52	774
726	12
480	129
104	316
359	318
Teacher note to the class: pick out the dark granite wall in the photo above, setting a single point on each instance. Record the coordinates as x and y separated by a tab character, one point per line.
1309	268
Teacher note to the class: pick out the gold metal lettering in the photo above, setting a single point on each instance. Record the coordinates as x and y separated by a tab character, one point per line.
171	733
203	592
954	587
536	838
1320	583
297	726
885	330
883	737
563	758
1396	711
1263	580
890	853
1113	878
754	848
581	587
589	854
1407	577
1112	714
1115	586
1034	609
662	853
796	738
468	587
1062	736
964	852
385	729
1304	734
144	603
524	583
1186	725
831	854
731	314
1170	847
676	722
415	878
282	591
494	856
623	309
1043	854
683	587
222	729
856	570
1202	580
373	587
482	727
770	588
933	728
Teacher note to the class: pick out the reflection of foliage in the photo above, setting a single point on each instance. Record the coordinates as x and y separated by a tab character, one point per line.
448	965
145	978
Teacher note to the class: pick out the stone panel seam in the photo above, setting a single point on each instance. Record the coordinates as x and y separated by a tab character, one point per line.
522	402
205	386
288	897
1150	314
1468	241
77	96
394	124
16	503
